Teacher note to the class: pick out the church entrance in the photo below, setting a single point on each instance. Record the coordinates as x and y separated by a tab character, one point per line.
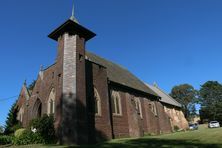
37	109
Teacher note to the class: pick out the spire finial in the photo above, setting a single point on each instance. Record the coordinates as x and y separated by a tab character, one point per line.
41	68
25	82
73	13
155	84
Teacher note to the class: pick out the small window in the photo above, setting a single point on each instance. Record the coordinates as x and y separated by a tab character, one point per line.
97	102
153	108
80	57
51	102
138	107
116	103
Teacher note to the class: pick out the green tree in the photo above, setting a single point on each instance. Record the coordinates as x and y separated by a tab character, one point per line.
187	96
12	123
211	101
1	130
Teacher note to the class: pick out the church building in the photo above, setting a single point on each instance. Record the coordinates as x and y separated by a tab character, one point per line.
91	98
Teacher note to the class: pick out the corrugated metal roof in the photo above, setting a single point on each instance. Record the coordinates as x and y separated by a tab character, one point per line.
120	75
165	98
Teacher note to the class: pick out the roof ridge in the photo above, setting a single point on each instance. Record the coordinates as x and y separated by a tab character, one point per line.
168	96
165	98
49	66
108	60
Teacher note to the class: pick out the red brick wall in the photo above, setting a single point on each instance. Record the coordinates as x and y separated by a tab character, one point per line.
136	126
128	124
164	120
102	123
152	121
22	104
42	90
96	76
120	122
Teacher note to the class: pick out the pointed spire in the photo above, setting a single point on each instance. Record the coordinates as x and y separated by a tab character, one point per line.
41	67
73	10
41	72
73	14
25	82
155	84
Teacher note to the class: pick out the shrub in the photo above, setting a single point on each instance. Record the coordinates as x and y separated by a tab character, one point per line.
45	132
5	140
45	128
19	132
28	137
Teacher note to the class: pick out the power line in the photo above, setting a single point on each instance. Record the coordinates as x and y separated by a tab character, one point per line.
5	99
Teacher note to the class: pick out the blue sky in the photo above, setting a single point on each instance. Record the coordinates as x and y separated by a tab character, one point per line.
167	41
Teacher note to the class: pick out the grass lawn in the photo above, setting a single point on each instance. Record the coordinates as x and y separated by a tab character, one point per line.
203	137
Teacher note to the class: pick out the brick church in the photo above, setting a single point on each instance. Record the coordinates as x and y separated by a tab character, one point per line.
91	98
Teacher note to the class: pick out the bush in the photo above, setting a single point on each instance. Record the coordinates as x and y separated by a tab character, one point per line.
28	137
45	132
19	132
45	128
5	140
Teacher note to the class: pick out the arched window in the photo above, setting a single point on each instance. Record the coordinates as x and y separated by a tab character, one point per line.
116	103
97	102
153	108
37	109
138	106
51	102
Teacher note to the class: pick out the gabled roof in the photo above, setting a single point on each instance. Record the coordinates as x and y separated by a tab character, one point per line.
120	75
26	91
165	98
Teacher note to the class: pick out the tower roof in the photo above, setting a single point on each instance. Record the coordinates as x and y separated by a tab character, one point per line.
71	27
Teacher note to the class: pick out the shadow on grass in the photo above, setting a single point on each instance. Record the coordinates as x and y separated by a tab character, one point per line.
156	143
138	143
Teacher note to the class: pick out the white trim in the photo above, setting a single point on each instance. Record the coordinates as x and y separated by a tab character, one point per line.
98	101
116	97
138	106
153	108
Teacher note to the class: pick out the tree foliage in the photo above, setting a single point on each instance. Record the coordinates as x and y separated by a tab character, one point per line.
211	101
1	130
12	124
187	96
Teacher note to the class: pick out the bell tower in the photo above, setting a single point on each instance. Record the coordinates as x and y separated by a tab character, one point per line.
71	116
